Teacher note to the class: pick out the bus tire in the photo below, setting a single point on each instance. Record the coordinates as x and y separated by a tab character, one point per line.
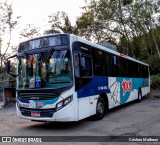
100	109
139	99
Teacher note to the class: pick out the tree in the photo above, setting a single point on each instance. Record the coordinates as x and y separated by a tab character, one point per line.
60	22
113	20
29	31
129	25
8	23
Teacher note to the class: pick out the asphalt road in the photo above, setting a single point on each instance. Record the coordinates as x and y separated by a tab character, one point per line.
133	119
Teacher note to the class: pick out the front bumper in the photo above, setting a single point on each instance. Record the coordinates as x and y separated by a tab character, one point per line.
63	115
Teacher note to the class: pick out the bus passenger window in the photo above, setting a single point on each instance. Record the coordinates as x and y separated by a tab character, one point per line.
77	64
86	66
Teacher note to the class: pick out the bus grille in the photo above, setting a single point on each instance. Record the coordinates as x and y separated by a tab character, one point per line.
43	113
37	96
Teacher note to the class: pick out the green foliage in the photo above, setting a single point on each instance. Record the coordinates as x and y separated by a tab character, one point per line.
155	81
29	31
154	63
126	2
60	22
8	23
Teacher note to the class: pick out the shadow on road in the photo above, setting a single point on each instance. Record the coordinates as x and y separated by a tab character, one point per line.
57	125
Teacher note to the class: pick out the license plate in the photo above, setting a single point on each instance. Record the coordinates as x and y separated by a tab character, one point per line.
35	114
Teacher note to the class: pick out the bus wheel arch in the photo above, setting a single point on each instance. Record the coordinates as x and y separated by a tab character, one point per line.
101	107
105	98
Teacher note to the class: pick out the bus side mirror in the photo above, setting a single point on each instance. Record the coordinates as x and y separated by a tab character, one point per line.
9	66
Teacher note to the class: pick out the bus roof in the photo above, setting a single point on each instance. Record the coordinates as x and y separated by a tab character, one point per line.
107	49
90	43
47	35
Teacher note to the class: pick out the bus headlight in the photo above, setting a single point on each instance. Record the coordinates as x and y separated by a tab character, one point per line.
64	102
59	105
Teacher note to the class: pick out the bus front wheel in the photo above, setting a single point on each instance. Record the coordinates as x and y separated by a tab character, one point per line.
100	109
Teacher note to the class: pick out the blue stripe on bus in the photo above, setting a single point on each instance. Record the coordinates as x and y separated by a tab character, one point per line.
99	84
46	102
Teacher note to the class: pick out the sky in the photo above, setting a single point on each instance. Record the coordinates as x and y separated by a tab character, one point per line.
36	12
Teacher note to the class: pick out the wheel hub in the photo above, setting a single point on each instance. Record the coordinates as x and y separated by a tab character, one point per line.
100	108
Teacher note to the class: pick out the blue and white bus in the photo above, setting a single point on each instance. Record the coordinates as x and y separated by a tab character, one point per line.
63	77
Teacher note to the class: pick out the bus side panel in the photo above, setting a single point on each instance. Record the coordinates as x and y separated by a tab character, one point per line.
87	106
123	90
133	95
83	107
114	96
146	86
145	91
93	103
88	94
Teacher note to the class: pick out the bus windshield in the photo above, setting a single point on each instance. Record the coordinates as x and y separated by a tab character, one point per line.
51	69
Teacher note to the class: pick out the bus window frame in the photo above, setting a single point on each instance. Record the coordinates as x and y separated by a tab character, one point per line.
77	66
80	66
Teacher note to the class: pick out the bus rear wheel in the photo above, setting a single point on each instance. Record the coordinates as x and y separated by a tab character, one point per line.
100	109
139	96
